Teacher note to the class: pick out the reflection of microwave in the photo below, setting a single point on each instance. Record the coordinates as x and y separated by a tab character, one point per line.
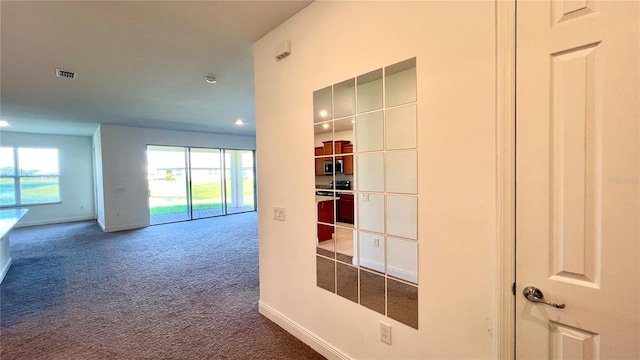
329	167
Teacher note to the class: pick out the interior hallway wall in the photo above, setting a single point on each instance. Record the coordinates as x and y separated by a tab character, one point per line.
454	43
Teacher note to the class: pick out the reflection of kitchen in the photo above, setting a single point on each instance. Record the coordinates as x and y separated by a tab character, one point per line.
334	178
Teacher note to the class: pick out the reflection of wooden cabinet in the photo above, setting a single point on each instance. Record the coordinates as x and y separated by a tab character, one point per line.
348	160
325	211
339	147
335	147
319	161
328	147
325	232
345	208
325	215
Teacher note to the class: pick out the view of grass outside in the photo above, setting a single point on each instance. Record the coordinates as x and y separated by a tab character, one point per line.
205	196
33	190
28	176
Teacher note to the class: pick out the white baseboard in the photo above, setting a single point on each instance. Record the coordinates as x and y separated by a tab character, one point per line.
5	270
124	227
373	265
23	223
101	225
316	343
402	274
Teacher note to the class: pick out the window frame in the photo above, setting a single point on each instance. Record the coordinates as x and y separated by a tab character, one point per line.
17	178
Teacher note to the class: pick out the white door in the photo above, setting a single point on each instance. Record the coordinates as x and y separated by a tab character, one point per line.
577	212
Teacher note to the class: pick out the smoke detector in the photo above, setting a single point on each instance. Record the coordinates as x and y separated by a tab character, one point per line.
66	74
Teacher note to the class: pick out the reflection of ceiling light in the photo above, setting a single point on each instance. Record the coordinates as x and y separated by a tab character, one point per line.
239	122
210	79
353	121
325	126
323	113
3	123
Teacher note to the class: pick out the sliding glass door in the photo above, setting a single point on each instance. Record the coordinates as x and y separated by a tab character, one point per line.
240	184
193	183
206	182
168	184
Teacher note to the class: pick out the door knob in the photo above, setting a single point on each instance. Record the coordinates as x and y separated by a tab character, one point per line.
533	294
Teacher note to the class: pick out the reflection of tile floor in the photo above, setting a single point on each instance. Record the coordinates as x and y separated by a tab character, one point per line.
344	239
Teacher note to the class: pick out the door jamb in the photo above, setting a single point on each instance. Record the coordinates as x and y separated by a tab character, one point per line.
505	176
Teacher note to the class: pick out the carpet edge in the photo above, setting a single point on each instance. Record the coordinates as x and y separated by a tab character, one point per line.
315	342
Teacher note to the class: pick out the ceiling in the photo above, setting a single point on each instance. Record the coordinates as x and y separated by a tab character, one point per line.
138	64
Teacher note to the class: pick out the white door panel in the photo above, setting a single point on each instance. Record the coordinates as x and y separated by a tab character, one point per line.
577	231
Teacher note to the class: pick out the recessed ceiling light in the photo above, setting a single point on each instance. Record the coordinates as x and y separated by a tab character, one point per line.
210	79
3	123
323	113
239	122
325	126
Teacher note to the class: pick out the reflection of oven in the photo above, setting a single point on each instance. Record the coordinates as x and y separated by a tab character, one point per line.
344	204
339	185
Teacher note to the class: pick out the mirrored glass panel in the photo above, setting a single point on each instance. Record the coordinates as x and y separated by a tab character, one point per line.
402	259
346	242
322	132
372	291
344	98
370	132
366	168
370	91
326	274
402	171
371	253
400	83
371	212
402	302
370	172
400	127
322	108
325	242
325	228
347	281
402	215
323	151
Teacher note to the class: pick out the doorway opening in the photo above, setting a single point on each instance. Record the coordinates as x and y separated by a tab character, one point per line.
187	183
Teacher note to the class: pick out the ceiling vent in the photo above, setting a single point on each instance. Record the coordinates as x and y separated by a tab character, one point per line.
66	74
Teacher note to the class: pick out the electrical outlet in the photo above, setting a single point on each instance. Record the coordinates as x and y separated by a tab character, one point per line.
278	213
364	197
376	242
385	333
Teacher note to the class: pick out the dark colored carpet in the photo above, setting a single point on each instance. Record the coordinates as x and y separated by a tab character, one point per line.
178	291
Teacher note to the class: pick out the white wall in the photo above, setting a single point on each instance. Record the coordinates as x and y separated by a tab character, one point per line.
333	41
99	188
124	167
76	177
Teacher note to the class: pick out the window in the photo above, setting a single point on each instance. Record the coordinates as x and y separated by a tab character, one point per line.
29	176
